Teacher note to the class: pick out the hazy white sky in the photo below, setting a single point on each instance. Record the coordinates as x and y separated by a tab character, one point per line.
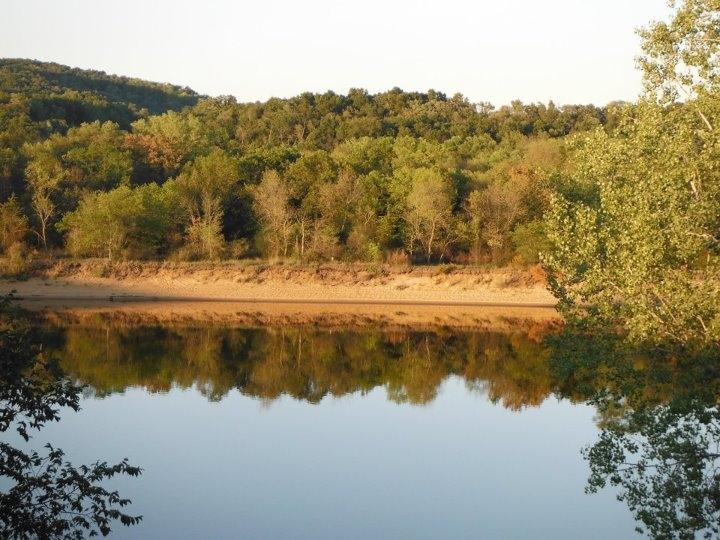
570	51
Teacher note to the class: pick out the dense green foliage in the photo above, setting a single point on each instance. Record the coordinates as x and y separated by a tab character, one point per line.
136	221
317	176
637	230
39	99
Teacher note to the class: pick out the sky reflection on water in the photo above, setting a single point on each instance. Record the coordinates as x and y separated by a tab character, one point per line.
358	466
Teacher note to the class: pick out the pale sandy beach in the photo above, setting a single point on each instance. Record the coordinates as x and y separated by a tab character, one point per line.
95	280
227	293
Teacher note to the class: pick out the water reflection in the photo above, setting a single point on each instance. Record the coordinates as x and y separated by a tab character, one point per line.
42	495
659	443
659	424
305	363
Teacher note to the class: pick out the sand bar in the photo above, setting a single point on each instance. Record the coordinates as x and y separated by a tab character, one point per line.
341	284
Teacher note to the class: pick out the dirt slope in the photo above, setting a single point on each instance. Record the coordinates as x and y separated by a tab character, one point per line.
236	281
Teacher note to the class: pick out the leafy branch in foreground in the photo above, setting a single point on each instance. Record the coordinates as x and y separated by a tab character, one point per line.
47	496
51	498
637	232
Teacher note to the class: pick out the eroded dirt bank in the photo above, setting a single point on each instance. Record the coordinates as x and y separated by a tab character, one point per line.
417	316
93	280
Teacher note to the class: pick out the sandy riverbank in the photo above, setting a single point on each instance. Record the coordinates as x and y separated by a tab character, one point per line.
417	317
94	280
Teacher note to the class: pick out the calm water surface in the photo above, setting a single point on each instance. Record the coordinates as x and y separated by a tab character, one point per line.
306	433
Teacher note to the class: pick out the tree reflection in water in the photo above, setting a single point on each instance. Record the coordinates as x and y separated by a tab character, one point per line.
46	496
305	363
659	443
657	409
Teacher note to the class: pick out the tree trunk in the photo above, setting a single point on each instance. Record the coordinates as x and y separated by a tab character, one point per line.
302	240
430	242
43	226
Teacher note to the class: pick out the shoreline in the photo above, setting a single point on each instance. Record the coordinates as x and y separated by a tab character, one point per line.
254	283
295	314
241	294
271	301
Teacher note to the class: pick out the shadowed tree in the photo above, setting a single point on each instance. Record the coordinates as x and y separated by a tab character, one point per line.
13	224
46	496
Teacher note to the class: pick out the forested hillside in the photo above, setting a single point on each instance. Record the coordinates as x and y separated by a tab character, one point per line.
66	96
87	170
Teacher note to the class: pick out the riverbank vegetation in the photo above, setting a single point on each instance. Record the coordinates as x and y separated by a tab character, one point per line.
621	202
358	177
637	245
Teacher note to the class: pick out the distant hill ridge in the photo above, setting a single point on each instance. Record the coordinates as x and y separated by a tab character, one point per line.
76	95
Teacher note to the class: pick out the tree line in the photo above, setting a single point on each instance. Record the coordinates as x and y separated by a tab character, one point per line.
317	177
